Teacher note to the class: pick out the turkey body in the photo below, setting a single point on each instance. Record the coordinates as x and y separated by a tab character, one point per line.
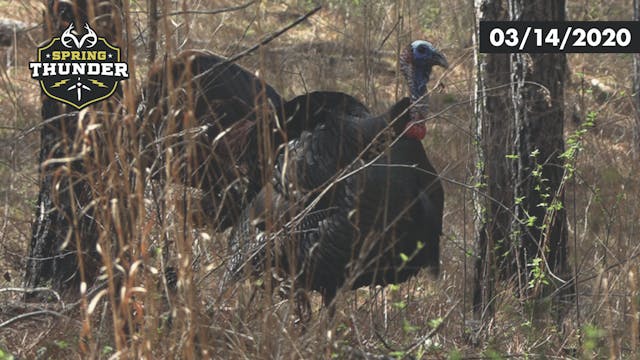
351	204
203	114
399	201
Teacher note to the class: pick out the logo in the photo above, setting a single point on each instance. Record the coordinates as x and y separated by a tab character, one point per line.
79	70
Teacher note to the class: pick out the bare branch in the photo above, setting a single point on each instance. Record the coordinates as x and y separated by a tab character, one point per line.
26	315
33	290
209	12
264	42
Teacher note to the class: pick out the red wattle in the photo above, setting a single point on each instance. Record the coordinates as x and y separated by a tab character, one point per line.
416	131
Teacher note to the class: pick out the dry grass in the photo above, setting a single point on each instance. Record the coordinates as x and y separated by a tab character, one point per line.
349	46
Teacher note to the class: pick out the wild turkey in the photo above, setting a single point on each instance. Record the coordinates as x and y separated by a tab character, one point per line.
208	112
350	203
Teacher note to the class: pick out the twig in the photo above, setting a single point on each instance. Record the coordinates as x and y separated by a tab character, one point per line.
209	12
433	331
263	42
26	315
502	356
390	32
32	290
383	341
273	36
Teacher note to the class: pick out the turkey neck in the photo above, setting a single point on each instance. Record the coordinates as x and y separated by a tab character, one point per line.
419	107
417	75
418	88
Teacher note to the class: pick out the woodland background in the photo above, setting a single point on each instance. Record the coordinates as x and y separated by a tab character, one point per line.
348	46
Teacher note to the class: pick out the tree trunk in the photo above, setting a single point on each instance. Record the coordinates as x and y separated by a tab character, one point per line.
62	250
522	224
636	88
539	248
52	253
494	132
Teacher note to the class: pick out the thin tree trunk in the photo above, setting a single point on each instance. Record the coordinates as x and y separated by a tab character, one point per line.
152	15
636	88
493	130
539	248
520	116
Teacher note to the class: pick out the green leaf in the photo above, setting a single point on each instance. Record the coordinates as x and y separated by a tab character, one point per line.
455	354
4	355
434	323
106	350
399	305
407	327
61	344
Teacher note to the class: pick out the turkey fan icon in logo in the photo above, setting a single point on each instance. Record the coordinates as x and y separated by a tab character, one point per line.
79	70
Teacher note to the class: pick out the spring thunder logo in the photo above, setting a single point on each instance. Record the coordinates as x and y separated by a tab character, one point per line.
79	70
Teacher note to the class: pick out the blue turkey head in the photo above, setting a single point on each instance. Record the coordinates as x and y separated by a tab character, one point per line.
417	61
424	53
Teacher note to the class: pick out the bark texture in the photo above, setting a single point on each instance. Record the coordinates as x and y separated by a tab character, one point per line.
522	231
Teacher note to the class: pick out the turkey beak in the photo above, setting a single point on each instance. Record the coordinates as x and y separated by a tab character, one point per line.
439	59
